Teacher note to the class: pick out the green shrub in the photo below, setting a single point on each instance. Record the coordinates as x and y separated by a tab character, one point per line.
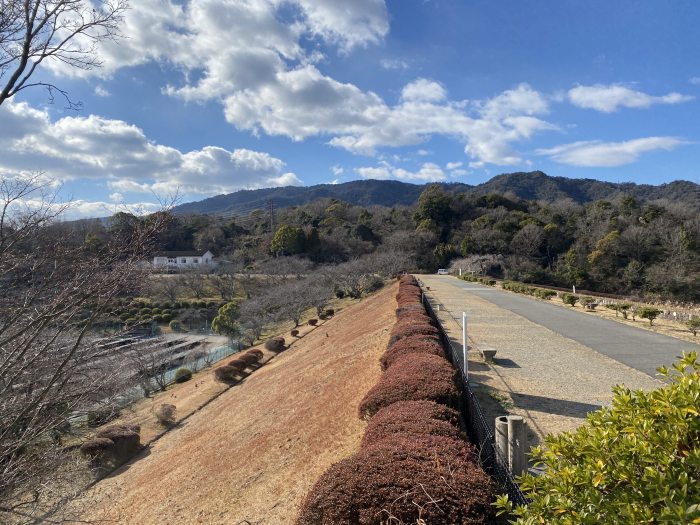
637	461
158	318
131	321
648	312
693	325
156	311
144	311
589	302
570	299
124	316
544	294
167	318
182	375
175	326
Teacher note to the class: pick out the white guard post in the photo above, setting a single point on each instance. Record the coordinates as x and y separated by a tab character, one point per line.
464	345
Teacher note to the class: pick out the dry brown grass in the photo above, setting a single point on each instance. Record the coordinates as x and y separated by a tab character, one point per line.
254	452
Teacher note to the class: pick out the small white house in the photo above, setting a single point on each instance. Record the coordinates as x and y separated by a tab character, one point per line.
184	260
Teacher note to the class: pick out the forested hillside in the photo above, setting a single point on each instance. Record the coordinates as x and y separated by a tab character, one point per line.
622	245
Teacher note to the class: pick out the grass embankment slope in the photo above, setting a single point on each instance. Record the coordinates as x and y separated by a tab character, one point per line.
254	452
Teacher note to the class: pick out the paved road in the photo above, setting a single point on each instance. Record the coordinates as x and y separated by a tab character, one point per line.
635	347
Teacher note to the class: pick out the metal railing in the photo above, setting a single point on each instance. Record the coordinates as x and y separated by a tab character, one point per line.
477	427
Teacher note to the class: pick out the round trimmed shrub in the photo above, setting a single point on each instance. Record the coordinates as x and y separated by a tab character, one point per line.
294	333
402	480
156	311
330	312
158	318
124	316
167	318
175	326
225	374
237	364
412	418
313	322
131	321
248	359
182	375
276	344
412	377
96	447
145	311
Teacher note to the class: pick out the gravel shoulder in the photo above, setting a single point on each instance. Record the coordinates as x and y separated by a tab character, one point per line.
254	452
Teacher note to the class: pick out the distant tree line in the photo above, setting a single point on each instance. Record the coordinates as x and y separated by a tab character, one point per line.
619	246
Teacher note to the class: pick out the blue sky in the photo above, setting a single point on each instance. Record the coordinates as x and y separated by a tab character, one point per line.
204	97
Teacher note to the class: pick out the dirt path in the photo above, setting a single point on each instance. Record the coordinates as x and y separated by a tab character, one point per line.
254	452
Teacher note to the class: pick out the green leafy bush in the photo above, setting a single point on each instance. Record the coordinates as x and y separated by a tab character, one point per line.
124	316
175	326
637	461
167	318
182	375
544	294
158	318
570	299
693	325
648	312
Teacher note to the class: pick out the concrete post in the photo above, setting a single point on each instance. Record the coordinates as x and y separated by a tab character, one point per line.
516	444
501	428
460	271
464	345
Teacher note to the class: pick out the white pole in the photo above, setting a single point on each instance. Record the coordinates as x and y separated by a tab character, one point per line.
464	345
460	271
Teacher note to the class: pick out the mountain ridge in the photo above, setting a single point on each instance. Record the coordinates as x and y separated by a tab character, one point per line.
535	185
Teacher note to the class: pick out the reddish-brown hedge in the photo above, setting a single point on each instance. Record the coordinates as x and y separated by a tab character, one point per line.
255	352
412	347
417	338
412	418
237	364
294	333
412	377
226	374
248	359
276	344
427	477
401	331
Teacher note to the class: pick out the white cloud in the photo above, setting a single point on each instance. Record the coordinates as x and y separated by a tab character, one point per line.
96	148
423	90
458	173
423	152
393	64
429	172
337	170
116	197
609	154
695	81
251	57
453	165
101	91
609	98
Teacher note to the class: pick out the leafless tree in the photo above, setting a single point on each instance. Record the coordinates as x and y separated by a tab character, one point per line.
68	31
224	284
52	369
167	287
194	356
194	282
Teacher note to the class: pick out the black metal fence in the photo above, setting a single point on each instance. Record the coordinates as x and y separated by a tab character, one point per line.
478	429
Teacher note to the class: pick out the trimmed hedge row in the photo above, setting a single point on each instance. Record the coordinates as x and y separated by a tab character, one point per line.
413	463
400	480
234	368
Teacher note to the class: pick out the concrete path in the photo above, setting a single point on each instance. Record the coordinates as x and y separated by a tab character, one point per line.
635	347
553	366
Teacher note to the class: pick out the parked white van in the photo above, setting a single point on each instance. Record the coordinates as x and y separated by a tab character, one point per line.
442	271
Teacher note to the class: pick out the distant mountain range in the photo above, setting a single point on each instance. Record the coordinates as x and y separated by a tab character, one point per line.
534	185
